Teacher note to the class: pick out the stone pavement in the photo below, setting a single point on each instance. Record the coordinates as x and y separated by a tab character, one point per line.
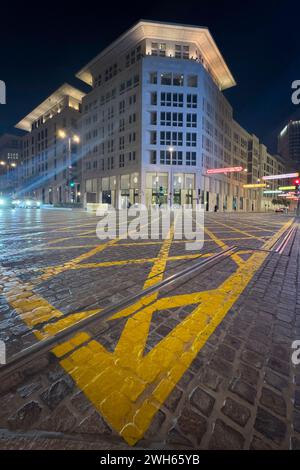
203	364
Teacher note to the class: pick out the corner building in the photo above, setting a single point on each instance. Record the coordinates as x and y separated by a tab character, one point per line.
156	120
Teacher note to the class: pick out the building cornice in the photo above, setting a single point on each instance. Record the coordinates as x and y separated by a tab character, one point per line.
52	100
201	36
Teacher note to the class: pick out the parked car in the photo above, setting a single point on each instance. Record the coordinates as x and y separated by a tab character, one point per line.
279	209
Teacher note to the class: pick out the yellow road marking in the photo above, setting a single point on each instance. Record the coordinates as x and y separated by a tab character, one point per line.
53	271
125	386
128	387
124	262
223	245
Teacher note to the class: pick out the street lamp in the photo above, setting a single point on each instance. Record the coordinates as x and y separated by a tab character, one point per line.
171	150
72	137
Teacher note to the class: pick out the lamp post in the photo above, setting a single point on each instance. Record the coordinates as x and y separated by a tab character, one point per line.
171	150
71	137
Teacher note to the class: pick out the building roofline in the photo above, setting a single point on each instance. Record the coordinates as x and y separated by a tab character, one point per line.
211	54
48	104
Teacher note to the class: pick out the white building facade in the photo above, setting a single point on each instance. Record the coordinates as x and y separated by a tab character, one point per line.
50	168
156	120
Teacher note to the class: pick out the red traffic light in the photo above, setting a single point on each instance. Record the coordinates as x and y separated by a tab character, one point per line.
297	181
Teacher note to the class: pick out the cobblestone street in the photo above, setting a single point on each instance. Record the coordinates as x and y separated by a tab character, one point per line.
202	362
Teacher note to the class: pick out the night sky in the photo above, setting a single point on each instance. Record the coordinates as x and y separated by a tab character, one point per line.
42	48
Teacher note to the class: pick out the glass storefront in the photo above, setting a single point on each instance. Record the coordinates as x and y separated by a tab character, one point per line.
159	189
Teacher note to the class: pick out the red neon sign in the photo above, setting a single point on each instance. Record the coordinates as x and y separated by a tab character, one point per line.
232	169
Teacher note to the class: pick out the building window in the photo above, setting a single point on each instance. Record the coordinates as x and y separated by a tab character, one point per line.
170	158
153	78
178	100
153	157
158	48
165	138
121	160
191	101
182	52
191	120
177	119
191	139
192	80
153	118
153	99
166	99
165	119
190	159
171	138
153	137
177	79
166	78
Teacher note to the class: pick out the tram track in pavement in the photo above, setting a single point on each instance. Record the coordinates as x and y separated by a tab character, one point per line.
42	347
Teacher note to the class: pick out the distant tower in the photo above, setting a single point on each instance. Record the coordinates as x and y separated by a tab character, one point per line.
2	92
289	142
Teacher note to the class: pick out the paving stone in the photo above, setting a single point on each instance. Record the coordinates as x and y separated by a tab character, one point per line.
243	390
57	392
26	390
279	366
296	421
26	416
295	443
249	374
225	437
259	444
270	426
220	366
156	424
60	420
253	358
202	401
81	403
297	399
174	437
94	424
232	341
226	352
172	401
211	379
185	380
273	401
276	381
235	411
192	424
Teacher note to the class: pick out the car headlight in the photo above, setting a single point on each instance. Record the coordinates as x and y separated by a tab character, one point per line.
2	202
28	203
38	203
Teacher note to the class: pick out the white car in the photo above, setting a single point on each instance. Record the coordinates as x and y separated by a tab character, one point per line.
28	204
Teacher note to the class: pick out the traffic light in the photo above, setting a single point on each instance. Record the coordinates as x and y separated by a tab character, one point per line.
72	184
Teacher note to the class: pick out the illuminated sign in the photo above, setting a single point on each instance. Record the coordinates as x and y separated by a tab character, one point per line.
286	188
258	185
278	177
270	191
224	170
